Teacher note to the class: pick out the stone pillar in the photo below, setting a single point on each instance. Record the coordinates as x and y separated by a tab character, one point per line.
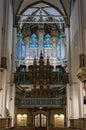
72	89
68	110
81	107
3	93
5	35
8	96
82	32
68	89
3	72
82	51
12	86
81	47
1	26
12	105
75	100
0	96
68	52
14	49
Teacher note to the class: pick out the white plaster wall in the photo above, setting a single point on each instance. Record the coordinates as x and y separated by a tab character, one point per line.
74	41
77	46
7	38
1	37
3	93
74	47
10	32
68	110
12	107
9	53
81	105
83	13
1	23
84	24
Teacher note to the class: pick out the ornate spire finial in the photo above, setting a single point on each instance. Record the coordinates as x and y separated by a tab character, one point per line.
35	61
41	60
48	63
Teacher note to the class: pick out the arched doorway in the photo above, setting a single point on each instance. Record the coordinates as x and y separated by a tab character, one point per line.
40	120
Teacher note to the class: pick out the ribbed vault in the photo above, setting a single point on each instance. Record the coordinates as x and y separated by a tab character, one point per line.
20	6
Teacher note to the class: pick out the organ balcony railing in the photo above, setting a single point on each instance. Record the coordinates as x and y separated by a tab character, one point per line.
43	102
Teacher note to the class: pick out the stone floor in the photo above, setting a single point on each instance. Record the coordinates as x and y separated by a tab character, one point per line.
26	128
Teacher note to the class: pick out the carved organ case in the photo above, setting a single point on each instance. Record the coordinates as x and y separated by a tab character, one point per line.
41	76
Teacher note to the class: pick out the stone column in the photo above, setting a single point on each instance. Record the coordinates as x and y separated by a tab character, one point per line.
82	33
14	48
68	110
82	51
81	107
1	26
12	105
3	72
13	65
72	88
68	88
12	86
0	96
81	47
5	35
75	100
3	85
68	52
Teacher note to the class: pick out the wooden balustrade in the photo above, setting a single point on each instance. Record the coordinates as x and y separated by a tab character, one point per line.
37	102
5	123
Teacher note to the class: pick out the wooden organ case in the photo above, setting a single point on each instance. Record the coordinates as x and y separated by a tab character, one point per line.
41	76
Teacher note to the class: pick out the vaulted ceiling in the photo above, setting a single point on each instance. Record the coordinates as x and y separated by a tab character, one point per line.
20	6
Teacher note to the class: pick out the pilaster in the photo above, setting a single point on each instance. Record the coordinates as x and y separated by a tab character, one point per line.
81	107
3	93
68	52
68	110
81	47
12	105
14	48
5	35
13	65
